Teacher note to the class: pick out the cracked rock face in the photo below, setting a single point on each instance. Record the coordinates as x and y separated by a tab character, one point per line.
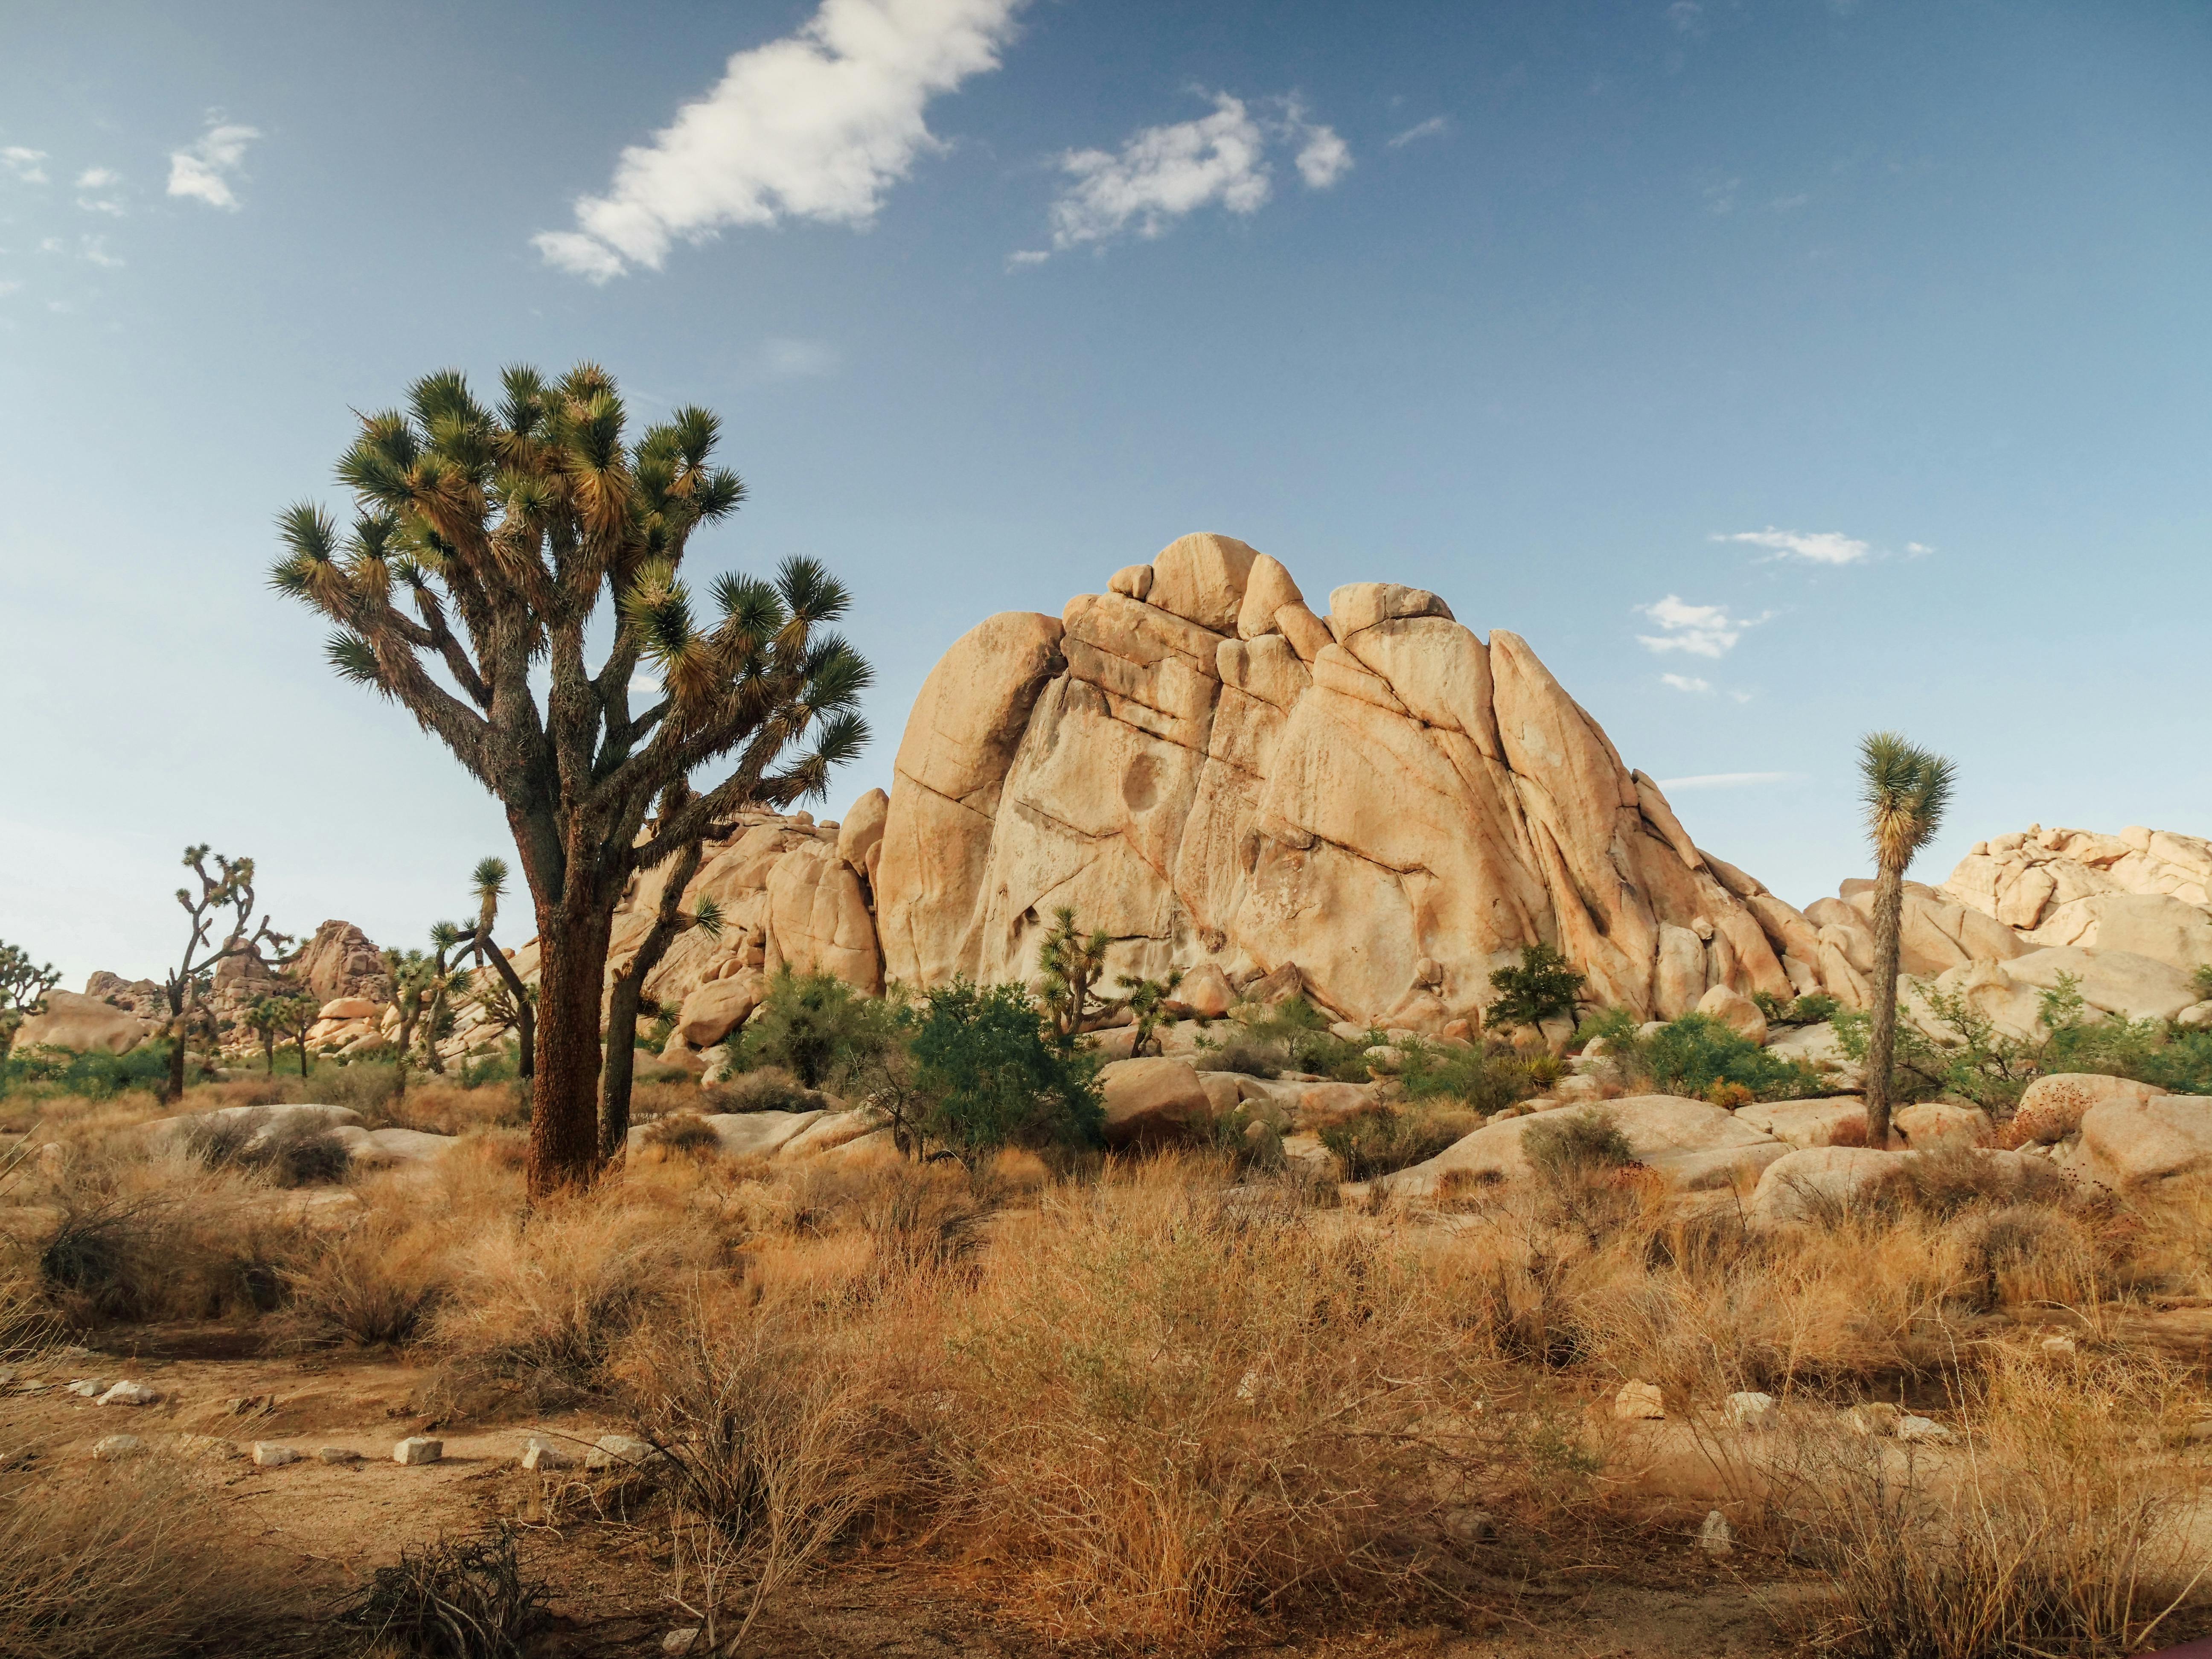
1216	775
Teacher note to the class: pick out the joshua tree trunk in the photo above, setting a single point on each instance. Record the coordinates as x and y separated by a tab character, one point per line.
303	1051
1882	1030
180	1000
622	1005
269	1052
572	965
525	1015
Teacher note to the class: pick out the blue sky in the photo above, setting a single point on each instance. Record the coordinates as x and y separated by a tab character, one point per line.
1779	369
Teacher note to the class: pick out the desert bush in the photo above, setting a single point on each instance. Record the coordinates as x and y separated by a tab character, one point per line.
200	1250
449	1107
993	1076
371	1087
1950	1179
40	1073
464	1598
1188	1415
139	1562
813	1026
1811	1009
1618	1026
1389	1138
1691	1054
1244	1055
292	1153
1299	1033
1564	1145
373	1285
687	1134
1542	987
1479	1081
766	1089
2050	1534
928	1216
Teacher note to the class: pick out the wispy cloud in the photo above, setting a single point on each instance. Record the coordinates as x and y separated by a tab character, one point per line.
94	248
1728	779
1815	547
95	181
799	359
1164	173
1720	195
1685	683
1686	15
1696	630
203	171
1435	127
817	125
23	165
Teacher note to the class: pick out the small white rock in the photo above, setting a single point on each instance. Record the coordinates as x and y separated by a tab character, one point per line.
109	1447
1715	1537
1921	1428
337	1455
680	1641
1874	1420
2058	1347
614	1449
418	1450
129	1393
1748	1410
271	1456
539	1453
207	1445
88	1388
1639	1401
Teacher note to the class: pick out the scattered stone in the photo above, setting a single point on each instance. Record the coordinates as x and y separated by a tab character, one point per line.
2058	1347
1748	1410
1471	1527
109	1447
1877	1419
1715	1537
268	1457
1921	1428
613	1449
337	1455
1640	1402
417	1450
89	1388
539	1453
680	1641
129	1393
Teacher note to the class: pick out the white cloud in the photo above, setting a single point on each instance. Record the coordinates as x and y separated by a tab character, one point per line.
1917	549
1435	127
6	288
94	248
1789	204
1685	14
1697	630
1817	547
1164	172
1029	256
203	170
98	178
23	164
1685	683
1720	195
817	126
1728	779
799	359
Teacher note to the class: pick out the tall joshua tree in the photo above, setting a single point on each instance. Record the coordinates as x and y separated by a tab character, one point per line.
1905	790
443	981
488	882
507	531
23	990
231	888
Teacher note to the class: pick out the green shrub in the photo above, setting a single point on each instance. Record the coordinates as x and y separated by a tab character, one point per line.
1692	1054
1618	1026
1242	1053
96	1076
1811	1009
1566	1146
1300	1032
768	1089
992	1074
1542	988
1483	1082
815	1026
2203	979
1387	1139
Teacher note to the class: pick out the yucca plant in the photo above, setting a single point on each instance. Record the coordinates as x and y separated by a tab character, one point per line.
486	543
1904	790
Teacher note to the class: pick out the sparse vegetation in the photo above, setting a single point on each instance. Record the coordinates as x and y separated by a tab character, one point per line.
987	1063
1389	1138
1696	1055
1544	985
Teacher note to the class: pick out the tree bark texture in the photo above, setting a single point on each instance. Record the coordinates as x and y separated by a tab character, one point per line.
1882	1030
628	993
179	1003
564	1139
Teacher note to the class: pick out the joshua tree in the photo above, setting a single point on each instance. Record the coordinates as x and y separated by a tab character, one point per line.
627	992
22	991
410	986
266	1021
1905	790
509	531
1072	962
488	880
1148	1000
231	891
439	983
291	1015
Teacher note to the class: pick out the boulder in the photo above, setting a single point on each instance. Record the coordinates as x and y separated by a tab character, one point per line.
1736	1010
751	1134
717	1008
1640	1402
829	1131
1815	1184
1933	1124
417	1450
1267	589
1205	992
2052	1107
340	961
1151	1101
2132	1143
1202	579
346	1008
82	1024
1363	605
1693	1144
1840	1120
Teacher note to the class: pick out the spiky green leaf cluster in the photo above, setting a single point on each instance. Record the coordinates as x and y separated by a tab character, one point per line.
1905	791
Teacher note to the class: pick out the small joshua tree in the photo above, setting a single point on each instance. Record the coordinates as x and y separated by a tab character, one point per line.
231	891
266	1021
516	1008
1905	791
292	1015
440	985
23	990
1072	962
409	974
1148	1000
